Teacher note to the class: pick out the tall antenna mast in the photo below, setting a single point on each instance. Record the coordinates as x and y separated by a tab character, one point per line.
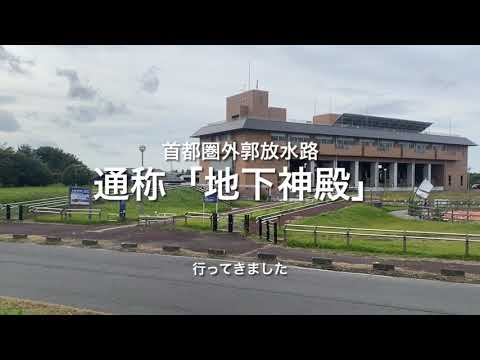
450	125
249	75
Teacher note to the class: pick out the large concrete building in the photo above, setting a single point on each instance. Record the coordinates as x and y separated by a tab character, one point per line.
384	153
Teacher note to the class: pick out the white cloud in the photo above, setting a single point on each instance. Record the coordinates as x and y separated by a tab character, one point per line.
425	83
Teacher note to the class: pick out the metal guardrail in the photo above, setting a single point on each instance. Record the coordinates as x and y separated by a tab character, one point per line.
383	234
65	212
158	217
32	202
451	211
278	214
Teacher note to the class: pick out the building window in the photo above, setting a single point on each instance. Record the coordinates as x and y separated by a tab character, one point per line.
461	180
368	142
420	148
384	145
439	147
324	139
220	138
449	180
279	137
298	139
451	149
407	145
344	142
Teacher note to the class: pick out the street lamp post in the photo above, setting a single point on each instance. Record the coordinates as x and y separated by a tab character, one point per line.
142	149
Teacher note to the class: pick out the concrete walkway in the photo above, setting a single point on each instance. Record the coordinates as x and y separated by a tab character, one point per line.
403	214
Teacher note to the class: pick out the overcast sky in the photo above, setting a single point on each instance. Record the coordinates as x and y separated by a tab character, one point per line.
101	102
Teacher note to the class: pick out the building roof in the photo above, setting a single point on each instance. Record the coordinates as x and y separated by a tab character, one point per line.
368	121
328	130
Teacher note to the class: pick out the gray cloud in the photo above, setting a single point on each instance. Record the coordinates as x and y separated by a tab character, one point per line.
12	63
77	90
149	81
31	115
107	107
8	122
84	114
62	122
7	99
348	91
395	107
90	113
441	84
87	114
100	148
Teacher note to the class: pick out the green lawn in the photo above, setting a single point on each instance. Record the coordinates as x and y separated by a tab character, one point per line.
176	201
364	216
14	306
27	193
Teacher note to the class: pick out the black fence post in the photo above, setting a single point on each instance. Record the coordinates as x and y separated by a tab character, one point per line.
20	212
8	212
230	223
268	230
246	224
259	219
275	233
214	222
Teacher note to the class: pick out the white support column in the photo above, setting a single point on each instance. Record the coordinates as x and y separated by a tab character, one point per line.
335	162
395	175
357	173
313	171
413	175
429	172
375	172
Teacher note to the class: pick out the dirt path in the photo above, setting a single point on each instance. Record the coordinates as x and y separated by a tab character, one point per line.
323	208
157	236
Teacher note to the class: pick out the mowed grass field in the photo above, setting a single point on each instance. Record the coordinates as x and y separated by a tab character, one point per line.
365	216
27	193
176	201
14	306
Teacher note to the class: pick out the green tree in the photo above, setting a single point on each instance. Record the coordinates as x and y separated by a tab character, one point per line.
8	177
56	159
30	171
474	178
77	174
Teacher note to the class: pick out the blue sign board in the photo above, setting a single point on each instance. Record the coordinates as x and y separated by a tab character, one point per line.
80	196
123	209
211	198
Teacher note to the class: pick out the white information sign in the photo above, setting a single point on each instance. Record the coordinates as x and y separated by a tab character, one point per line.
424	189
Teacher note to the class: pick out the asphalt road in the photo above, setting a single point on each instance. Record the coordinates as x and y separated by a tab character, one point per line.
130	283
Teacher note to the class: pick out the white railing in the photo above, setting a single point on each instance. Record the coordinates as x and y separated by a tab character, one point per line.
383	234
